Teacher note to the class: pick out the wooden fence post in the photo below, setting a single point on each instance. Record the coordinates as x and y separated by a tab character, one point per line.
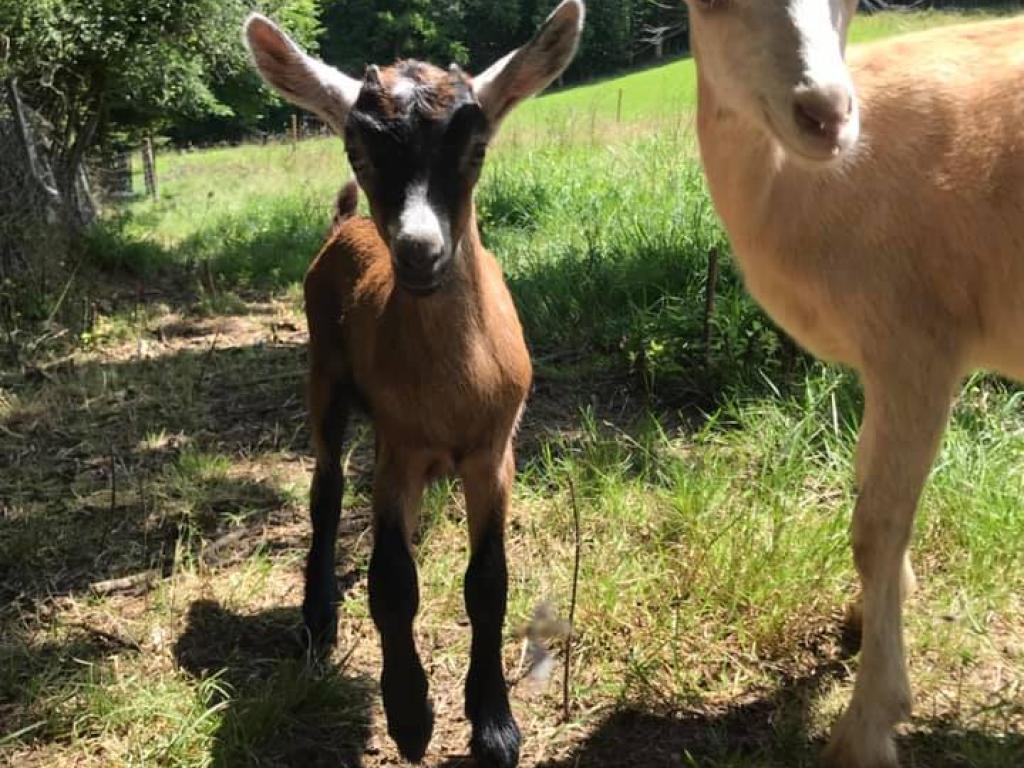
618	108
149	168
710	287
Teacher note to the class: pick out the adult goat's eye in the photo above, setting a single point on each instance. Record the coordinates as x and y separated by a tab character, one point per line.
477	154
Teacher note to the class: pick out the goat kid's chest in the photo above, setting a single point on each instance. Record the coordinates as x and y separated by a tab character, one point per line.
440	386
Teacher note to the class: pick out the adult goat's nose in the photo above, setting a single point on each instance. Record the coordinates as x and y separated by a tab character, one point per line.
822	111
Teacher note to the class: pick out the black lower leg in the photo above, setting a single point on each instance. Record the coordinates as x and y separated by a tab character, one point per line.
394	600
319	609
495	733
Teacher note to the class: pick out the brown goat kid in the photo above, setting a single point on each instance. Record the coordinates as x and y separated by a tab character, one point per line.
409	318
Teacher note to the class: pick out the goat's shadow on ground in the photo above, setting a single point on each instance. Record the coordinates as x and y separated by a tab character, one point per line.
321	715
773	731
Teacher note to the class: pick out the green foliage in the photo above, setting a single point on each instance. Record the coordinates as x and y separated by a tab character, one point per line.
136	66
609	39
715	550
478	32
362	31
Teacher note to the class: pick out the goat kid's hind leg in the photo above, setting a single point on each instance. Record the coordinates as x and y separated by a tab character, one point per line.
487	480
394	601
906	409
328	410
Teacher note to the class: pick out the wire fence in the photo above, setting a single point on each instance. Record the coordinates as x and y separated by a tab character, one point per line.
29	235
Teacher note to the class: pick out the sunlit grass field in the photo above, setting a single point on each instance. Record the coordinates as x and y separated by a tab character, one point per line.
153	483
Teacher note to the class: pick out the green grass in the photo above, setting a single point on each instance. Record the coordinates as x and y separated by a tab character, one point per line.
714	488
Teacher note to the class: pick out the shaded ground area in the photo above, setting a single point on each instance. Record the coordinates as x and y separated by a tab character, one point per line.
146	447
153	497
261	659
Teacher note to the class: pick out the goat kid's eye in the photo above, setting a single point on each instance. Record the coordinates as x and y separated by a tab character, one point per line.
359	164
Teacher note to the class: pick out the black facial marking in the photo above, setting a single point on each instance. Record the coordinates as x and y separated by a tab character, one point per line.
416	125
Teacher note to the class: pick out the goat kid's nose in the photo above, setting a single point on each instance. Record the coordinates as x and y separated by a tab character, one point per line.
418	257
822	111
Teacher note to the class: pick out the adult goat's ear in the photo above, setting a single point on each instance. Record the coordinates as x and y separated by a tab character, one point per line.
299	78
531	68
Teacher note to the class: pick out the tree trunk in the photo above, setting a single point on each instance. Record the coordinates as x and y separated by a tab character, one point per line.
79	205
28	143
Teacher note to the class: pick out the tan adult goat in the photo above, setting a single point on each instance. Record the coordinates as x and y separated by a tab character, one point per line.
877	213
409	317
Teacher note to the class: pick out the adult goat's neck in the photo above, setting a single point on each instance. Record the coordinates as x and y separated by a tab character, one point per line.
761	193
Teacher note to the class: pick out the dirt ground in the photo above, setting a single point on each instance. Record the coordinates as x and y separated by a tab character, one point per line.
98	567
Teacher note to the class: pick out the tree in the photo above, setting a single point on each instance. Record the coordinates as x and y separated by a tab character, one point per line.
358	32
92	69
495	28
243	101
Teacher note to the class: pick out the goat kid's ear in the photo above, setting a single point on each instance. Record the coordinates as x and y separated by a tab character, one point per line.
299	78
531	68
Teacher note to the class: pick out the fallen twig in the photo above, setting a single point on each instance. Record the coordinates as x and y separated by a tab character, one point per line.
126	583
572	603
110	637
710	289
113	482
213	553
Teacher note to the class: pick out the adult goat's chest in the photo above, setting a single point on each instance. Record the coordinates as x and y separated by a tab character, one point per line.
789	261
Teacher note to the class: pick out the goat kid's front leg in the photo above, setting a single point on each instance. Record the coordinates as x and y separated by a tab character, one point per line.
487	480
394	601
906	409
328	409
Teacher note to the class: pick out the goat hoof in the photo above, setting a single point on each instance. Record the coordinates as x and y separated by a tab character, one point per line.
412	729
409	712
321	621
495	742
859	744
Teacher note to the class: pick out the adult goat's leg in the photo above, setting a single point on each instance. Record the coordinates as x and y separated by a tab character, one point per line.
328	410
394	601
906	408
908	581
487	479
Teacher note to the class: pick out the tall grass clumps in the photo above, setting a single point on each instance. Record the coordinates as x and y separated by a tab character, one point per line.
605	246
606	249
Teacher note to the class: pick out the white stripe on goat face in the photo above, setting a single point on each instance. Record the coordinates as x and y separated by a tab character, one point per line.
821	28
421	222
